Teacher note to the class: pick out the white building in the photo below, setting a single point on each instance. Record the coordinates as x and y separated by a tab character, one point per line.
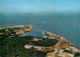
28	46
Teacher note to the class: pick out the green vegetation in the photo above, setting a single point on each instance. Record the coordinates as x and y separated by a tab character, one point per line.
14	46
44	42
77	55
2	30
34	53
8	33
10	47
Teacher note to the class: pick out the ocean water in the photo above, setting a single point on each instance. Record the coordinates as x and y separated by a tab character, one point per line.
63	25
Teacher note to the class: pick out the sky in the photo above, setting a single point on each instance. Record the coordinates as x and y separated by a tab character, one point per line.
39	6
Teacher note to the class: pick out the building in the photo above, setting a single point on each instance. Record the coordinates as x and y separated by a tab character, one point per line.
28	46
37	47
36	39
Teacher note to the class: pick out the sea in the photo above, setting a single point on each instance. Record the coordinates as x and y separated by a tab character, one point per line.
66	25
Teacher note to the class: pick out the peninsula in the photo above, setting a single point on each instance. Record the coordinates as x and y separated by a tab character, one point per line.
13	43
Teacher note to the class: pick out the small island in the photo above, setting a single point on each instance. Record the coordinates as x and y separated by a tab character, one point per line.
13	43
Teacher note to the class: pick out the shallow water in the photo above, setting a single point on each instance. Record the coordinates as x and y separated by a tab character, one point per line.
64	25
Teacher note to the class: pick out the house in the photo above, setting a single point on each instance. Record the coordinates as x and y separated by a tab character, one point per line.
36	39
65	54
28	46
37	47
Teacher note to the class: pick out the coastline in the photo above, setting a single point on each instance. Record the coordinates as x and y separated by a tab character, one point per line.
63	43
